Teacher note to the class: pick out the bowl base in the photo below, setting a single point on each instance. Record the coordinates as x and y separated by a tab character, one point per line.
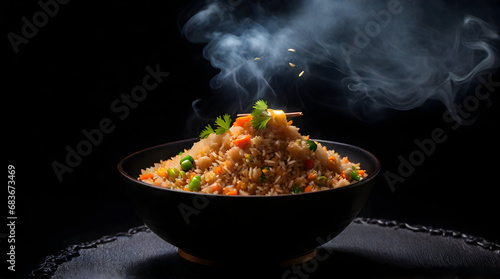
280	262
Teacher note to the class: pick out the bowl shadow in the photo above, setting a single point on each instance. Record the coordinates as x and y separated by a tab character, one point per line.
325	264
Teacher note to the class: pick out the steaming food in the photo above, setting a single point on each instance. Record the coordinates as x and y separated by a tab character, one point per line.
259	154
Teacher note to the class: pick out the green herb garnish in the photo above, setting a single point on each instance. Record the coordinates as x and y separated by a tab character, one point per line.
260	115
223	123
260	107
206	132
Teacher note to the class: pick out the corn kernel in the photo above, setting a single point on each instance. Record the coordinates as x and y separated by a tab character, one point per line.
209	177
161	172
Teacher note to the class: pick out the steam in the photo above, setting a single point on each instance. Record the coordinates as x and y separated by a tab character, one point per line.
366	55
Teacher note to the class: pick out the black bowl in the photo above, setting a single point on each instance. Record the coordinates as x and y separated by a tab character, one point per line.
223	229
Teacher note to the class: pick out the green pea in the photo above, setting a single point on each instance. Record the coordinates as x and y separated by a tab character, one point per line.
322	180
354	174
186	165
172	173
195	184
296	190
312	145
181	174
249	158
188	157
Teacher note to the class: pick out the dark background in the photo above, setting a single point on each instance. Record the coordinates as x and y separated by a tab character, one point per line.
66	77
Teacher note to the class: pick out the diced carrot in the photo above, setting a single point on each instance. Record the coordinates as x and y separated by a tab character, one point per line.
146	176
218	170
308	164
289	123
343	174
240	121
186	188
312	175
308	189
232	193
213	188
346	160
307	137
361	172
332	158
242	140
238	185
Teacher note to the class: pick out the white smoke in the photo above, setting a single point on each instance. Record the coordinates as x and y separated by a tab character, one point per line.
373	54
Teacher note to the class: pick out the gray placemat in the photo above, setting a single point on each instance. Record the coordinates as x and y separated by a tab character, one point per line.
367	248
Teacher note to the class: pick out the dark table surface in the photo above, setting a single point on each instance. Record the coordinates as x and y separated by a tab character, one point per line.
367	248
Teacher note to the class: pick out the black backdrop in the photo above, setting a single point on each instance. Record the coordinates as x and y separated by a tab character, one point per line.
81	64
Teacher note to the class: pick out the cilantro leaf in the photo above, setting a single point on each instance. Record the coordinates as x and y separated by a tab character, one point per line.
206	132
260	122
260	115
224	124
259	108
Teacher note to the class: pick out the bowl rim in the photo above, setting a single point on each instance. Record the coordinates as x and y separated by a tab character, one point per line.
370	177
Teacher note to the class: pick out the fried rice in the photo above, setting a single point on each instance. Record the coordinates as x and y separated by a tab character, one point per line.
247	161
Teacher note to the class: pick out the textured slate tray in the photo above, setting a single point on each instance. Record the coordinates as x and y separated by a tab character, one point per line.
368	248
